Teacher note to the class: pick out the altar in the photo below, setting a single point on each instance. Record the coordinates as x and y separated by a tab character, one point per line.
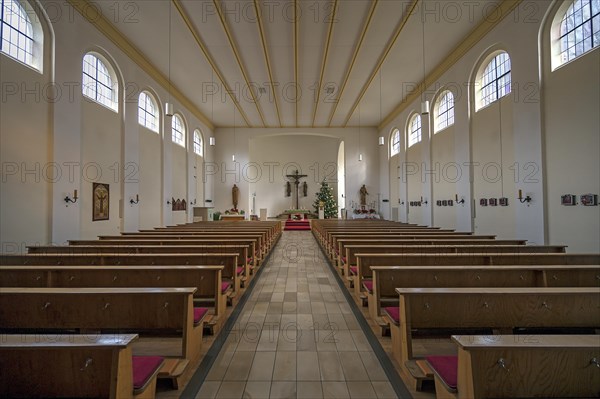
297	212
233	217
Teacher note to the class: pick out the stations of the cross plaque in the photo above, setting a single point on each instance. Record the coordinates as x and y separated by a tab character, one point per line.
296	176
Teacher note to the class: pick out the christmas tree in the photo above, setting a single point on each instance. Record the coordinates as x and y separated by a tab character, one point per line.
325	195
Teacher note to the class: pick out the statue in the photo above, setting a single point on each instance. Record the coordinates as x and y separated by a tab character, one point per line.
235	194
363	195
288	189
305	189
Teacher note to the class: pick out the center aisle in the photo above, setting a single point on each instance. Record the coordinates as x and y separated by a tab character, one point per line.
296	336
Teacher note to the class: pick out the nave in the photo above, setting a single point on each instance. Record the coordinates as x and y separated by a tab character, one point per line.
297	336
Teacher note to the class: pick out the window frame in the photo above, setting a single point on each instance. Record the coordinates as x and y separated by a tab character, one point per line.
146	113
410	132
394	143
557	37
446	112
34	58
198	145
110	74
491	61
183	132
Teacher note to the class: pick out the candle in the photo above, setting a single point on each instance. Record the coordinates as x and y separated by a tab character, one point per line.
520	194
456	197
137	197
75	194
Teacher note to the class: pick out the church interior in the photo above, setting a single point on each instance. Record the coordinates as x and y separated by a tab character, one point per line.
300	198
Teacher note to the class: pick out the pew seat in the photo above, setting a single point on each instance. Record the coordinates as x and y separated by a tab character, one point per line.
39	366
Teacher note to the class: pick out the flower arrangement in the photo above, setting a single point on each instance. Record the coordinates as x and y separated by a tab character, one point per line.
234	211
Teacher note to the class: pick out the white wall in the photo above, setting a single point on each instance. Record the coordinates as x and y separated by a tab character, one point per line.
66	132
571	117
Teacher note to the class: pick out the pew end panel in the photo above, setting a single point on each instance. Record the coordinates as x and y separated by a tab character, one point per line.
550	366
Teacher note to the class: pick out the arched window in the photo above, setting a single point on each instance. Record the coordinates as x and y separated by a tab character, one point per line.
148	111
414	130
578	30
198	142
495	79
100	82
395	142
178	129
20	39
444	111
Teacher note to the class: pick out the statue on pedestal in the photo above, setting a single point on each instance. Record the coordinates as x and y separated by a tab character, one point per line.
235	194
305	189
288	189
363	196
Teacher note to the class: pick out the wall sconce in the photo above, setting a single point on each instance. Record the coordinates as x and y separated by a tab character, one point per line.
73	200
168	202
401	202
360	157
425	108
169	109
381	140
193	202
137	199
211	141
462	200
525	199
424	202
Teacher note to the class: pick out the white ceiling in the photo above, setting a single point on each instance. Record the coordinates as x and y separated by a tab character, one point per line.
241	61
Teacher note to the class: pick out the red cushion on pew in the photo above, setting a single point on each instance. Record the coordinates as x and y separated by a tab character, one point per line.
353	269
144	368
394	313
368	284
249	260
239	270
446	368
225	286
343	259
199	314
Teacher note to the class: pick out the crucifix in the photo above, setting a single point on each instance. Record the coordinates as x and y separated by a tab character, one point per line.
296	178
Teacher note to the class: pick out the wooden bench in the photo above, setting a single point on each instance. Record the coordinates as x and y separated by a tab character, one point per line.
242	269
75	366
508	366
99	309
251	243
387	278
357	276
342	243
206	280
228	261
262	248
502	309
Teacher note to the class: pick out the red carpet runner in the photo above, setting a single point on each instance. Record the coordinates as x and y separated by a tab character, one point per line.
297	225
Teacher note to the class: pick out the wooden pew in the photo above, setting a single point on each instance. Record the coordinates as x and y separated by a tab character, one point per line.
494	308
387	278
75	366
206	280
332	242
367	240
141	309
228	261
358	274
251	243
261	248
508	366
243	267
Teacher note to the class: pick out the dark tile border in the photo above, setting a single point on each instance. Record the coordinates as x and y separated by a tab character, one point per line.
384	360
193	386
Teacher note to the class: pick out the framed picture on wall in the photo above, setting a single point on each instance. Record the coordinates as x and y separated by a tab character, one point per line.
493	202
100	201
589	200
483	202
568	200
503	201
439	202
445	203
450	203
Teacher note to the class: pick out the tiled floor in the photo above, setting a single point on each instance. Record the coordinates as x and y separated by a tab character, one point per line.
296	336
